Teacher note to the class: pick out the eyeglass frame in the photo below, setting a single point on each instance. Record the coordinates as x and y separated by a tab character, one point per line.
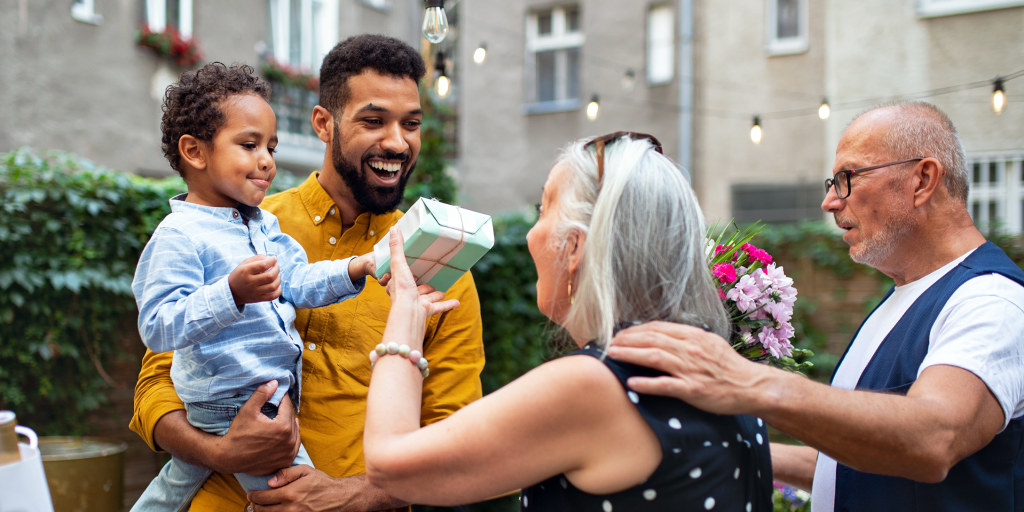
601	141
833	182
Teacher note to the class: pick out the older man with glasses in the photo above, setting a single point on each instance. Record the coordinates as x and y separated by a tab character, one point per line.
926	408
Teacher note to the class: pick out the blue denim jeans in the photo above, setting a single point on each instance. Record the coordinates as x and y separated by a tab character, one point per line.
179	481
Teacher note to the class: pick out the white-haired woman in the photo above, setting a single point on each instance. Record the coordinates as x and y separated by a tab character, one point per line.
620	239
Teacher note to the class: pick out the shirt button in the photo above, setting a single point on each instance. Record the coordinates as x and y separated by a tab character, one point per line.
332	240
316	219
331	211
371	232
312	346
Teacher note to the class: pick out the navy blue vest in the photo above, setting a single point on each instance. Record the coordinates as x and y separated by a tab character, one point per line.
993	478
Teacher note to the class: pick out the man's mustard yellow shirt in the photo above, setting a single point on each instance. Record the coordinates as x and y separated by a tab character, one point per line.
337	339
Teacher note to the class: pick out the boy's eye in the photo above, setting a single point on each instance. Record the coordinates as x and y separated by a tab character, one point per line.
272	150
249	145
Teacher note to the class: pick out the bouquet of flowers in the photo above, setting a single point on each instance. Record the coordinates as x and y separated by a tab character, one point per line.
758	297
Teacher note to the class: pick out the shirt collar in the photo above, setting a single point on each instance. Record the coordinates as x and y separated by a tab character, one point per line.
178	204
318	204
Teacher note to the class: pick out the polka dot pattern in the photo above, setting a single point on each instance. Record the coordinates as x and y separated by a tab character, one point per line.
705	450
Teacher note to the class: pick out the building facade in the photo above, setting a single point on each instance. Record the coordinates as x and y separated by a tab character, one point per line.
74	78
727	64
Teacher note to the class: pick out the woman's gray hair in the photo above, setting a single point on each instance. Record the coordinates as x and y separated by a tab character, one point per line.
644	254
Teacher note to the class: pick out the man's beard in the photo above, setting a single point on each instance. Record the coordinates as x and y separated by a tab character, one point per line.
876	250
376	200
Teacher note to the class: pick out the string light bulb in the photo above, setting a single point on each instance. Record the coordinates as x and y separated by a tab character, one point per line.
755	131
593	107
443	85
824	111
629	80
435	21
480	54
998	96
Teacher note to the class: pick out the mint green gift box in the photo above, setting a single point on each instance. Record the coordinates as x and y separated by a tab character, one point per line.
441	242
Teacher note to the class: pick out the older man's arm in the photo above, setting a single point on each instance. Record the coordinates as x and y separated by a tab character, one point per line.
948	414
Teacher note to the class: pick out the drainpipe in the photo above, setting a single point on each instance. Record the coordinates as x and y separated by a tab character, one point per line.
686	86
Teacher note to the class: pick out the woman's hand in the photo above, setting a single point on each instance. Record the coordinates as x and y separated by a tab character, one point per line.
401	284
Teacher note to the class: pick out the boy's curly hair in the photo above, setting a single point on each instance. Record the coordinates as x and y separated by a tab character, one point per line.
192	106
383	54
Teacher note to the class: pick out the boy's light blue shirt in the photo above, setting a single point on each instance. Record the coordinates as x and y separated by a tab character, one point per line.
186	305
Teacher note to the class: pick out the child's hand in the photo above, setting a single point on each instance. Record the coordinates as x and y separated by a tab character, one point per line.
361	266
257	279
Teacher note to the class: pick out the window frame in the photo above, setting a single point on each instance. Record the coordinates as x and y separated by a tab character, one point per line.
937	8
85	12
780	46
561	40
318	35
1003	196
656	47
156	17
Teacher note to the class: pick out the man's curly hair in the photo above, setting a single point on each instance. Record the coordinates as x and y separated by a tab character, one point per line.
193	105
383	54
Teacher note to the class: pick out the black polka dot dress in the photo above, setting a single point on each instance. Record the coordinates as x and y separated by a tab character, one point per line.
709	462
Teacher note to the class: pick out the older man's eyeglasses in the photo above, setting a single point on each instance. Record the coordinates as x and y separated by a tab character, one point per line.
601	141
841	180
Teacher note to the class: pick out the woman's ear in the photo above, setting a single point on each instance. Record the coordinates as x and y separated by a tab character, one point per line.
323	124
575	246
192	152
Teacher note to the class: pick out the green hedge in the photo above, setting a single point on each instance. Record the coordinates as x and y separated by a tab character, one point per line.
69	241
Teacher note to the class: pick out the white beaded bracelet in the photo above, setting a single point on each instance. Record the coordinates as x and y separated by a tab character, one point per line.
415	357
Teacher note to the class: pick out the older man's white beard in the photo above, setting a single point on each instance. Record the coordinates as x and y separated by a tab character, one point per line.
876	250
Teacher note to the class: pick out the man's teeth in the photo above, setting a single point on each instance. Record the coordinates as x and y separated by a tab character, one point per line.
390	168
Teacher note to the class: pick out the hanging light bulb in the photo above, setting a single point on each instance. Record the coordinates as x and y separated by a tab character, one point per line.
824	111
998	96
593	107
480	54
444	84
755	131
629	80
435	21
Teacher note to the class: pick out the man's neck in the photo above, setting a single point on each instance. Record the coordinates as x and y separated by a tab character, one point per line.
335	187
932	249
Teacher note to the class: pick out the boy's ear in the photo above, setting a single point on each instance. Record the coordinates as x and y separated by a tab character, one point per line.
323	124
191	151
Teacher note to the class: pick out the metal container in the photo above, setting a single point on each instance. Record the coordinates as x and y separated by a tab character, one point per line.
85	474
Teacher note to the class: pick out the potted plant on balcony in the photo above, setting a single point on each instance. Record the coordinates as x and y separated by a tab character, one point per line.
171	45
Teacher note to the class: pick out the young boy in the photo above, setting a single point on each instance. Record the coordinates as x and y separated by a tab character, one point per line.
218	282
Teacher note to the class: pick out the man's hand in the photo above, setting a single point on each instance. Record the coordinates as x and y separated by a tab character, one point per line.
256	444
257	279
302	488
703	369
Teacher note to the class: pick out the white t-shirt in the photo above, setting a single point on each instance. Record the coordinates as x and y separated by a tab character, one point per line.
980	329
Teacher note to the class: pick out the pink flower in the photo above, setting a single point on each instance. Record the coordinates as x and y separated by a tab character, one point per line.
719	249
725	272
745	294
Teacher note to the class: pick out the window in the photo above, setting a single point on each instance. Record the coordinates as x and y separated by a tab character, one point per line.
660	45
303	31
786	27
553	42
929	8
777	203
161	14
996	196
85	12
380	5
